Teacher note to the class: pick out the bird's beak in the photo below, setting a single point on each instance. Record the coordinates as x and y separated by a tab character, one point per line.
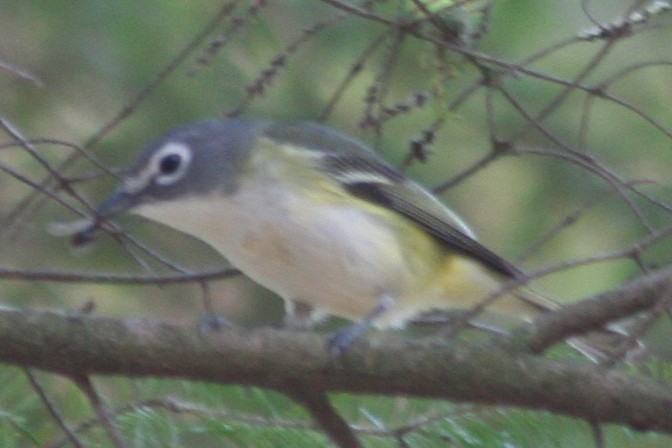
117	203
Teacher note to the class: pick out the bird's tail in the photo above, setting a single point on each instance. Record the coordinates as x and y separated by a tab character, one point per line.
610	343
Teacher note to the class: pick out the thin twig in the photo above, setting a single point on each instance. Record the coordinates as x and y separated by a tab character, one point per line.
51	408
103	412
22	74
103	278
24	206
317	404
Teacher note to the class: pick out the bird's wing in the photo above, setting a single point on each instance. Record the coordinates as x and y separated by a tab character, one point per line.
364	174
377	182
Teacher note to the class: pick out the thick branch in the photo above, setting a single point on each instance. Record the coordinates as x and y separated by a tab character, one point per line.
641	294
280	360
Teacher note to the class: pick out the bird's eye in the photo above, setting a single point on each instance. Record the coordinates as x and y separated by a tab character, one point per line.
171	163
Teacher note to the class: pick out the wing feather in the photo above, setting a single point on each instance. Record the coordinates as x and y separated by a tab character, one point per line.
364	174
379	183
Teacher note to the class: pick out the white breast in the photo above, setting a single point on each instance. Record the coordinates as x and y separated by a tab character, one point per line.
329	255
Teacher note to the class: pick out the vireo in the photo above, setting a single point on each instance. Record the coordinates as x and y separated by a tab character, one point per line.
319	219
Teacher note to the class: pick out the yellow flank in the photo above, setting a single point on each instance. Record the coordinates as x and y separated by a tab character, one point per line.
427	273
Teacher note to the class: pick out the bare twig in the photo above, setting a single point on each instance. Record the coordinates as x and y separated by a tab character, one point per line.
103	412
324	414
51	408
126	111
102	278
24	75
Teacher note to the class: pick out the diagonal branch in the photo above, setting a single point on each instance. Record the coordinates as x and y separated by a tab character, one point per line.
639	295
102	410
324	414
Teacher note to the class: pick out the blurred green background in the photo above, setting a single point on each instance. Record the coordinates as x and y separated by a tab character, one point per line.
93	57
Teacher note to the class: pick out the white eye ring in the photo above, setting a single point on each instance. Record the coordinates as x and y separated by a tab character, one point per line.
170	163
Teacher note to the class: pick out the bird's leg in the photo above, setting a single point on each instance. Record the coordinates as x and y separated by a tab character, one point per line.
299	315
339	342
210	321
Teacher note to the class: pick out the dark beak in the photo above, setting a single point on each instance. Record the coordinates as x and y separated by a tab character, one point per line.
116	204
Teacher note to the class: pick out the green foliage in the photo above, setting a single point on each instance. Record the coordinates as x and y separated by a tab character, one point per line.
164	413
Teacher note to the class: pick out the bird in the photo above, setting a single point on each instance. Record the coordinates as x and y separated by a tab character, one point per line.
318	218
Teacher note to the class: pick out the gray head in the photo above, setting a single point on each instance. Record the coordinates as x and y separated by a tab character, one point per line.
195	159
194	155
199	158
208	156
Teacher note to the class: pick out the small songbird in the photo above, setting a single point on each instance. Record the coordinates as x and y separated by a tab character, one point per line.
318	218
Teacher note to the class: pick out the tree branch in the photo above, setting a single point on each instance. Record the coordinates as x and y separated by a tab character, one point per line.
316	402
280	359
641	294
